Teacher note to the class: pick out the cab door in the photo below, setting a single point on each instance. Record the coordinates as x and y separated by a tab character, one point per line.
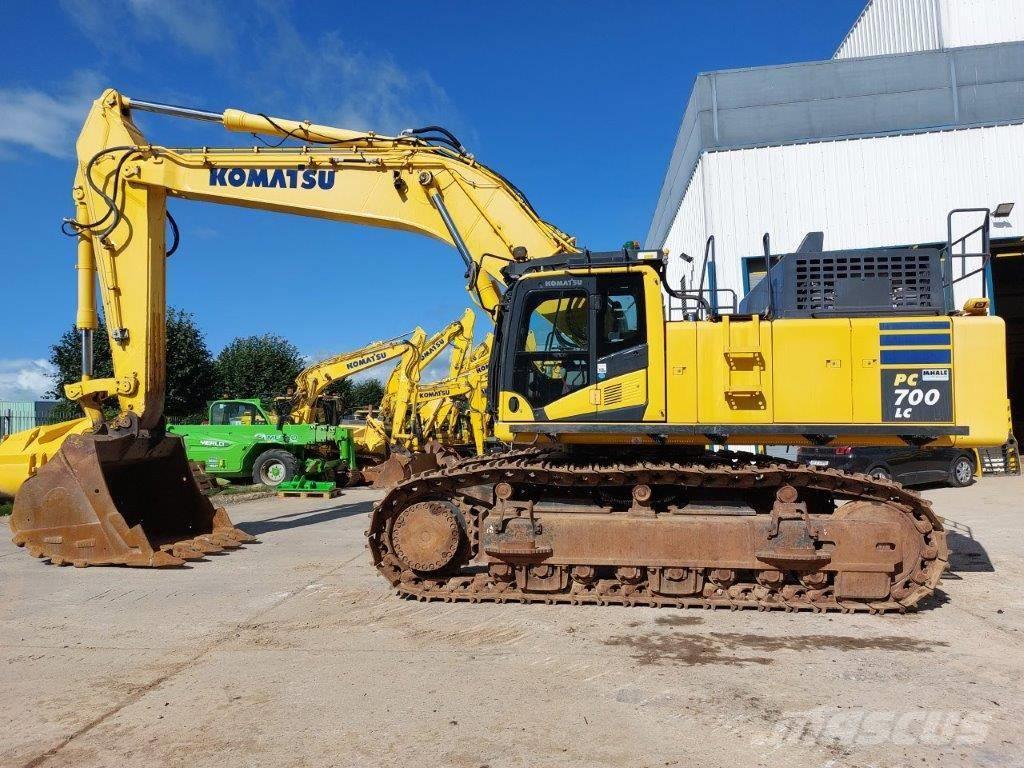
621	348
548	366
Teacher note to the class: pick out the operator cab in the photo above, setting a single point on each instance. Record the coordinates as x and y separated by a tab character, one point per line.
237	413
578	338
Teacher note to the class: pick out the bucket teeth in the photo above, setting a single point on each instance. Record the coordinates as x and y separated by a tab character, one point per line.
158	559
120	499
235	534
220	540
183	551
205	546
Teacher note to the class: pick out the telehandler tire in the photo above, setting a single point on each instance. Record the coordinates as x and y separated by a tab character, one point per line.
273	467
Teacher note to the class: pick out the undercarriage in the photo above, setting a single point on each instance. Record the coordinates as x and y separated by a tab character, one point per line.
718	530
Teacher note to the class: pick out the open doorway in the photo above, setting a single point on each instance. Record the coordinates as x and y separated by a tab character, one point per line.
1008	300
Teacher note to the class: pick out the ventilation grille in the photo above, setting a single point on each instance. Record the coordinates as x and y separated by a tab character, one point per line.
819	278
612	394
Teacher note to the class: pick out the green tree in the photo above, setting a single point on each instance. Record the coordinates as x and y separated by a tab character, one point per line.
356	395
191	373
258	366
366	393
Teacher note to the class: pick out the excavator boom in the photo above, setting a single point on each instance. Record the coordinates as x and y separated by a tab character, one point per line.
312	382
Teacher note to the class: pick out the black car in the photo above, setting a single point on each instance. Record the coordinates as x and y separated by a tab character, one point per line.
910	466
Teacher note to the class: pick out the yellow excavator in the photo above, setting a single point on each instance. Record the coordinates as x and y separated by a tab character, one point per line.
452	412
390	423
313	382
370	439
392	431
608	494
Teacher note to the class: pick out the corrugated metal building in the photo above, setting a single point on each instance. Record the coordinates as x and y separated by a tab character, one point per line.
872	151
904	26
16	415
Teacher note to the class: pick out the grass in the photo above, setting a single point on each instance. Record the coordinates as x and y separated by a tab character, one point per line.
226	488
5	507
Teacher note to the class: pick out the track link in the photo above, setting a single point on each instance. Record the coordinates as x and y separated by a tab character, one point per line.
460	486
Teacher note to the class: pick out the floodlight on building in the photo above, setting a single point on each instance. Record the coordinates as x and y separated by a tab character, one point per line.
1002	210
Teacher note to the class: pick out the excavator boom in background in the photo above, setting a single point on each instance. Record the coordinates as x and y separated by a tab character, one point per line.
608	494
452	412
394	429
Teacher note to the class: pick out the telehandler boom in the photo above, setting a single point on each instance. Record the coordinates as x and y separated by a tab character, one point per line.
608	495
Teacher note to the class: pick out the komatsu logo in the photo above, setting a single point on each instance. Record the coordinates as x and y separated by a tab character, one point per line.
376	357
434	347
565	282
281	178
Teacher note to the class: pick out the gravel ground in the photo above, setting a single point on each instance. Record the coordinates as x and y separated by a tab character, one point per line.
293	652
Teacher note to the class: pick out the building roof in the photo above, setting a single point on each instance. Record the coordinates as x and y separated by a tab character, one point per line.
837	99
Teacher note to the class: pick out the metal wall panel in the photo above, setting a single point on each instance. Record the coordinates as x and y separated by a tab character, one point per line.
890	190
833	99
903	26
980	22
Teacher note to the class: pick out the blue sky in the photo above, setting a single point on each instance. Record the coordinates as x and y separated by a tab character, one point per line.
577	102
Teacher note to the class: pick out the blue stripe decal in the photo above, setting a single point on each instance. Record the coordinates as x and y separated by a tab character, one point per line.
915	340
916	356
938	325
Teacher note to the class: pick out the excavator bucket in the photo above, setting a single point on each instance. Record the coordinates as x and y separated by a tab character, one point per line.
119	500
399	467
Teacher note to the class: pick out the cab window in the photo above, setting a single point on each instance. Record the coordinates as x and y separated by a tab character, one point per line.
236	414
552	350
621	323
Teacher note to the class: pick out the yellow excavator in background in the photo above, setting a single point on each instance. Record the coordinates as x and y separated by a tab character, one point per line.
608	495
452	412
391	430
390	423
371	440
313	382
458	334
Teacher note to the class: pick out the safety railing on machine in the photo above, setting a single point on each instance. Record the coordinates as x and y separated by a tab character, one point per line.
702	303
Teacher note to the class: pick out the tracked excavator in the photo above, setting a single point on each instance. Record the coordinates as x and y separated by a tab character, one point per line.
398	396
369	438
608	494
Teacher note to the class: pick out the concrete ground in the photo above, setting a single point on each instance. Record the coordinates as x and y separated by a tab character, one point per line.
293	652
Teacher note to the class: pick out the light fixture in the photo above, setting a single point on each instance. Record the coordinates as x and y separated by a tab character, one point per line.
1002	210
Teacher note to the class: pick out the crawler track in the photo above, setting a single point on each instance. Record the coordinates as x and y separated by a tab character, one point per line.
475	491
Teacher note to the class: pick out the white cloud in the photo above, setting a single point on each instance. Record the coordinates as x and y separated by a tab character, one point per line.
197	25
273	62
46	121
343	85
25	379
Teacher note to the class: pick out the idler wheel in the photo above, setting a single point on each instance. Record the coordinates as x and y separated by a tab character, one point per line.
426	535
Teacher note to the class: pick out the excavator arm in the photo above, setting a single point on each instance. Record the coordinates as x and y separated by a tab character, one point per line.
311	383
400	390
436	402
